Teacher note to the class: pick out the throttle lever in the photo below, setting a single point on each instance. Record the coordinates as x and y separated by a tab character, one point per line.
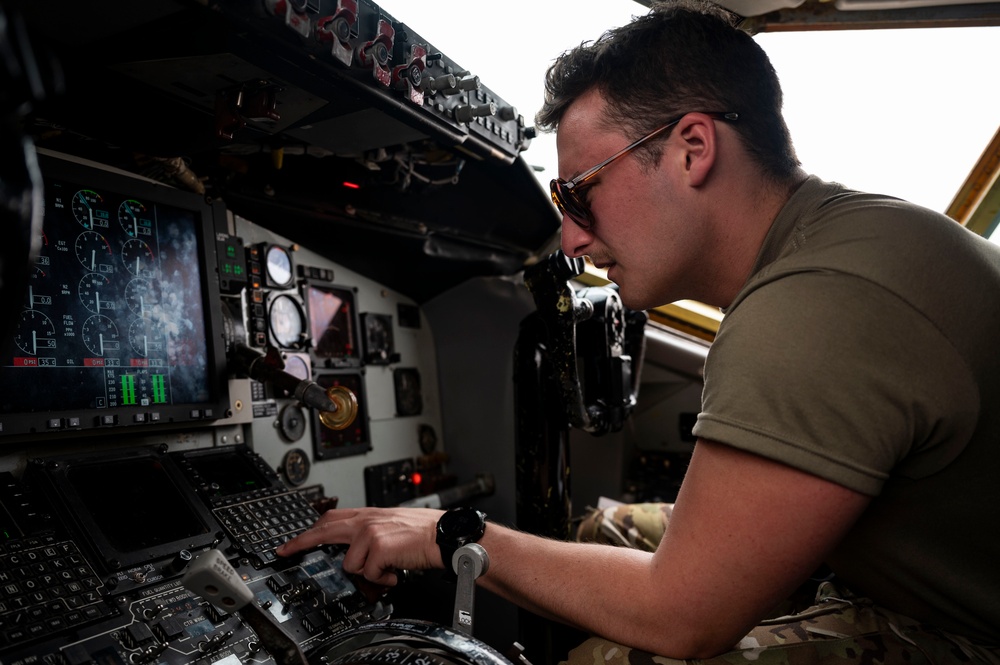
469	561
211	577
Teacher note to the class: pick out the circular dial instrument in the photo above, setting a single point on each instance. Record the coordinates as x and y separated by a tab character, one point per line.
287	322
95	292
140	296
146	338
133	217
292	423
138	258
295	466
279	266
84	207
100	334
297	366
93	251
35	333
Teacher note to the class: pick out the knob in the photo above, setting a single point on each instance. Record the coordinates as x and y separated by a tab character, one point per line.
470	83
507	113
468	113
446	82
346	410
178	563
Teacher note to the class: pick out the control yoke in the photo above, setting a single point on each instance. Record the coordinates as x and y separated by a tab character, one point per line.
337	405
592	330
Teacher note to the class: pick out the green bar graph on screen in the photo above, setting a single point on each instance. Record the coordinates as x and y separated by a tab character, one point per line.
159	389
128	389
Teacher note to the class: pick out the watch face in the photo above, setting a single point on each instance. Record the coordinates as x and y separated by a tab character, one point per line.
462	523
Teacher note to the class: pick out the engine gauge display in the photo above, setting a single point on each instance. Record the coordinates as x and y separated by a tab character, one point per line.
94	252
140	296
36	333
134	218
100	334
138	258
88	209
96	292
117	310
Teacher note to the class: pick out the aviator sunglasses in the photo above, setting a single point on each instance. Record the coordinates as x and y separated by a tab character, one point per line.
566	193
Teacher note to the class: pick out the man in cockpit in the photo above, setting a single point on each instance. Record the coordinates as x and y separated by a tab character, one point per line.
849	411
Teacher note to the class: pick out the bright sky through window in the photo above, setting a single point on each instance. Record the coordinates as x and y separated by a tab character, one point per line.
900	112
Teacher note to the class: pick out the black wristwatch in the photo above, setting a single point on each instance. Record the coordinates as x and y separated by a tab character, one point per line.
457	527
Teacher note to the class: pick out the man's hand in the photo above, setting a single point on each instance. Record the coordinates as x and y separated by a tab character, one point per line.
380	541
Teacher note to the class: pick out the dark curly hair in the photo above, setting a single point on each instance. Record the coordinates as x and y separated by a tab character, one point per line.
682	56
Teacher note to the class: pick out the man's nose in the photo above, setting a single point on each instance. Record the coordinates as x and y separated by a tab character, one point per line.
575	239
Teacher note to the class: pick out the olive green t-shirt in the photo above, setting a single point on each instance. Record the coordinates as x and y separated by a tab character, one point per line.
865	349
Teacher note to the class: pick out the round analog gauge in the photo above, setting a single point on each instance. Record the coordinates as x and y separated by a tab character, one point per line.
138	258
95	292
295	466
35	333
93	251
100	334
134	218
279	266
146	338
86	208
140	296
297	367
287	322
292	423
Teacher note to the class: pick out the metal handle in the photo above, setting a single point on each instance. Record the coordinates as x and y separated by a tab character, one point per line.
469	561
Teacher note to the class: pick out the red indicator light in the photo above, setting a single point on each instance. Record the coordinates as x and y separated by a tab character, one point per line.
351	185
416	478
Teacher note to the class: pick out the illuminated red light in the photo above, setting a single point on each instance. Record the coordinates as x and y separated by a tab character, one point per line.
416	478
351	185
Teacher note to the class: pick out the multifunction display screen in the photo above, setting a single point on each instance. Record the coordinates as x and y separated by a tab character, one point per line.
114	314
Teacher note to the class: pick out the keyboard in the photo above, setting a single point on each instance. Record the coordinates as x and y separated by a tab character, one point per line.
260	524
46	586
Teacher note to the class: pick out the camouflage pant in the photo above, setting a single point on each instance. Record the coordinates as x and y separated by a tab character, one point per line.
837	628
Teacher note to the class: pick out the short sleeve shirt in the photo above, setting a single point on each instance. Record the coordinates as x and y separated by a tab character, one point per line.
865	349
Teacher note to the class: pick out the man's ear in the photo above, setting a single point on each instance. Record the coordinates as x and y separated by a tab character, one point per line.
698	139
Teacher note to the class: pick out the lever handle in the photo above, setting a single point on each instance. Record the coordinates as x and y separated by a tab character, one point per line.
469	561
211	577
